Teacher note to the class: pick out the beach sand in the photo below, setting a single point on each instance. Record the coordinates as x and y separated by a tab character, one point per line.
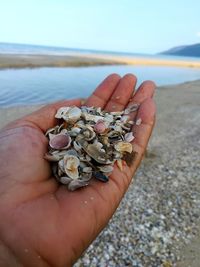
157	223
77	60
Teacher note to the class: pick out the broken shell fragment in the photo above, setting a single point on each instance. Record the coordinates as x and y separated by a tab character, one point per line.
60	141
69	114
71	164
123	147
128	137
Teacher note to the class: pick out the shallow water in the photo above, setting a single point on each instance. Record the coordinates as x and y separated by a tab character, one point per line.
42	85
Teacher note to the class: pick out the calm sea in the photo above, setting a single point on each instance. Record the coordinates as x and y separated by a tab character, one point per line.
42	85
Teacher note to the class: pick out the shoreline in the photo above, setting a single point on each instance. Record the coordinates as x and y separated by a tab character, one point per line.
17	61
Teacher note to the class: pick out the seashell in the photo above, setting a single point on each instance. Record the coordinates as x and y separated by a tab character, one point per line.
71	164
125	118
51	130
72	152
65	180
60	141
100	127
75	130
61	165
61	111
94	152
119	164
90	117
128	137
88	133
138	121
106	168
127	126
75	184
131	108
87	169
100	176
77	146
123	147
70	114
50	157
117	112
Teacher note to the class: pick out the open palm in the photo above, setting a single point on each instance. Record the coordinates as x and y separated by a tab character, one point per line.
42	223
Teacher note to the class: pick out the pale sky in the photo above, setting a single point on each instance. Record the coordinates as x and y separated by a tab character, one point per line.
140	26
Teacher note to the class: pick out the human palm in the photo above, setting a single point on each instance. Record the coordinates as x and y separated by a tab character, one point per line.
42	223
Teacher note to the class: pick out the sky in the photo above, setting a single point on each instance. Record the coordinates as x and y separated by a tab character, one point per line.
138	26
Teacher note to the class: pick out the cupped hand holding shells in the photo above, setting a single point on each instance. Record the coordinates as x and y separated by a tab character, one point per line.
42	223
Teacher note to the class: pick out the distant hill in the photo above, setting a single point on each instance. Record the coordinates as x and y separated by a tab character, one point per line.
185	50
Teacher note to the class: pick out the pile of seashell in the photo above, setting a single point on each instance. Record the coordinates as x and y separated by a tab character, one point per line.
88	142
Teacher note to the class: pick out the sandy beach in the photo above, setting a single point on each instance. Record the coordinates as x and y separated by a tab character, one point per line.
157	223
77	59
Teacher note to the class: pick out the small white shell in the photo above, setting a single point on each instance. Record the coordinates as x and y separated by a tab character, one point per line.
128	137
138	121
123	147
71	164
90	117
69	114
61	111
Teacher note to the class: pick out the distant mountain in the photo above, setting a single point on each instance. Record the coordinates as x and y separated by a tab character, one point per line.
185	50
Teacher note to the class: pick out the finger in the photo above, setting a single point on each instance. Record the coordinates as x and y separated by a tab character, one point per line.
142	132
44	118
145	90
103	92
122	93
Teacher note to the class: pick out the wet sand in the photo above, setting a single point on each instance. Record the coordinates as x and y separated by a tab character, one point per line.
172	157
77	60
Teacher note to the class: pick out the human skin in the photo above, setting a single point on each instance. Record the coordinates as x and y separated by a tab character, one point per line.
42	223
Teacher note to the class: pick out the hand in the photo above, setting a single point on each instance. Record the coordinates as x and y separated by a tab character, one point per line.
43	224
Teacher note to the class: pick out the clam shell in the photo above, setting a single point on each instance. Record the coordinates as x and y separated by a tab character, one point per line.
123	147
100	127
75	184
60	141
71	164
